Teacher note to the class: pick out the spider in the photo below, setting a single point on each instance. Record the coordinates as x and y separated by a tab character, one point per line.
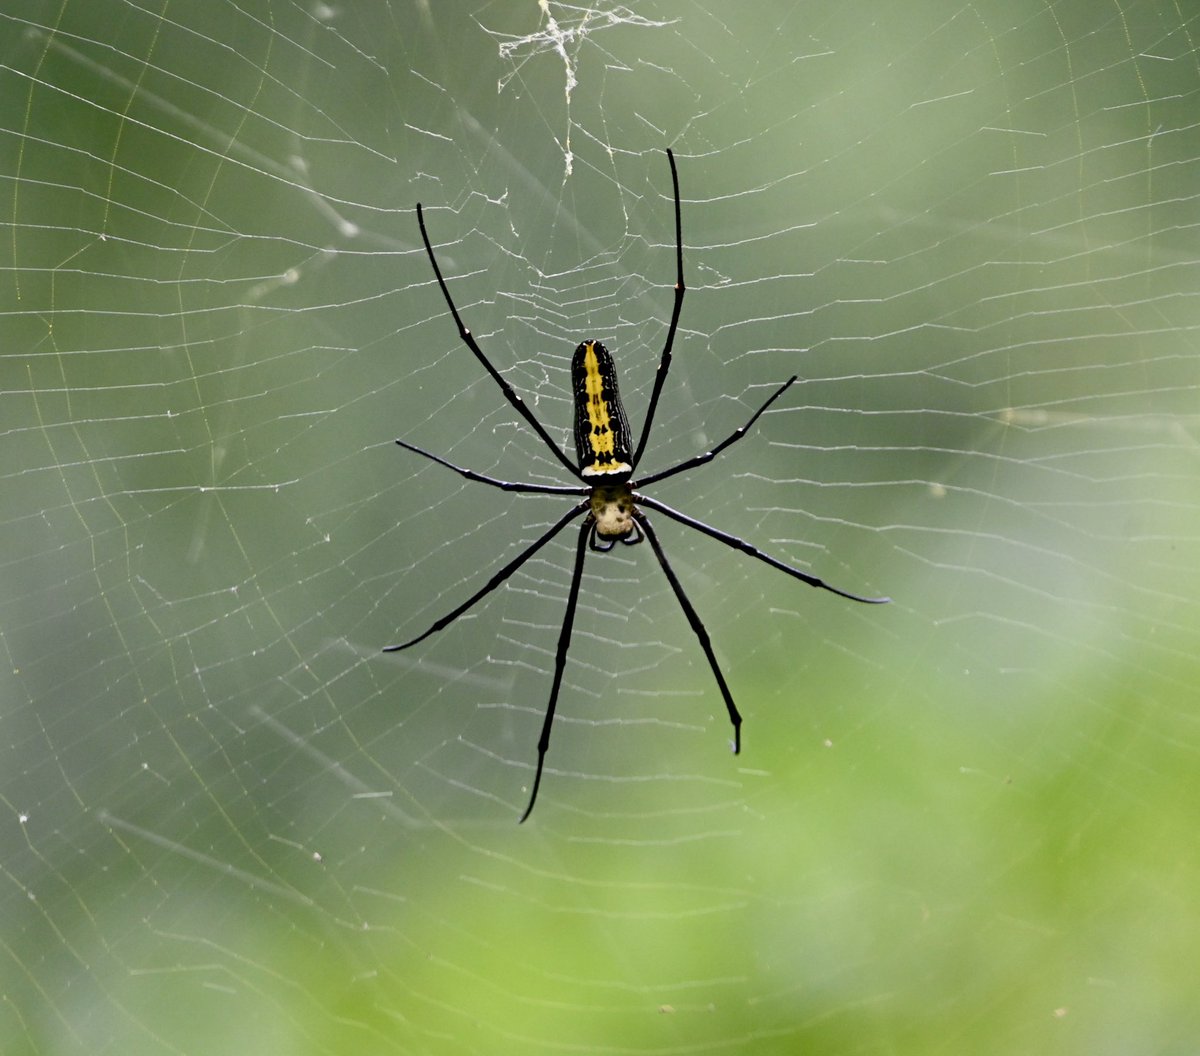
605	466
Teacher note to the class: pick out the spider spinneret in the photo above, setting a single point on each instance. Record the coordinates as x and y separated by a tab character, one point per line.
605	469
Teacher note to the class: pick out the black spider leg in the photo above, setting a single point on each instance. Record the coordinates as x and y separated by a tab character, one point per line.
603	546
708	456
560	661
469	340
498	578
664	363
697	627
735	543
503	485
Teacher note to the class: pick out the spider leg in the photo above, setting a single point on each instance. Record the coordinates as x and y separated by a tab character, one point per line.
664	363
496	579
708	456
746	548
560	661
469	340
697	627
503	485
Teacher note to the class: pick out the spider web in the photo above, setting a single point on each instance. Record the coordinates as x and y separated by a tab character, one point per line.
961	822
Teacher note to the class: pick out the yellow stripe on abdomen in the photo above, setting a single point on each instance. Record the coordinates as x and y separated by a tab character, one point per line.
601	429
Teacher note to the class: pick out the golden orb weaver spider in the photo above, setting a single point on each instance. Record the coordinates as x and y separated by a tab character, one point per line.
605	467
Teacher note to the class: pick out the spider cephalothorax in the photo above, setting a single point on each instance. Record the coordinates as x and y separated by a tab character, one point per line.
605	469
614	514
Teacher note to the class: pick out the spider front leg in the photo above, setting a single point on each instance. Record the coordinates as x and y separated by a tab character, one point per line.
498	578
735	543
698	629
560	661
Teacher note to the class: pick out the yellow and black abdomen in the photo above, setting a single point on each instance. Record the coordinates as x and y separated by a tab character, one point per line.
601	429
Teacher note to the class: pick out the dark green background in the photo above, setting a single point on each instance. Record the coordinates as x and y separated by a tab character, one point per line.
964	822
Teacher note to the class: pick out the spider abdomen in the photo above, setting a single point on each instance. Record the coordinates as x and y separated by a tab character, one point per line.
601	429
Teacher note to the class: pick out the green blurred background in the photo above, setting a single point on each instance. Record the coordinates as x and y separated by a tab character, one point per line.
964	822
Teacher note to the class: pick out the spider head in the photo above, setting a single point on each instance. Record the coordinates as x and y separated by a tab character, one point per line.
612	513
